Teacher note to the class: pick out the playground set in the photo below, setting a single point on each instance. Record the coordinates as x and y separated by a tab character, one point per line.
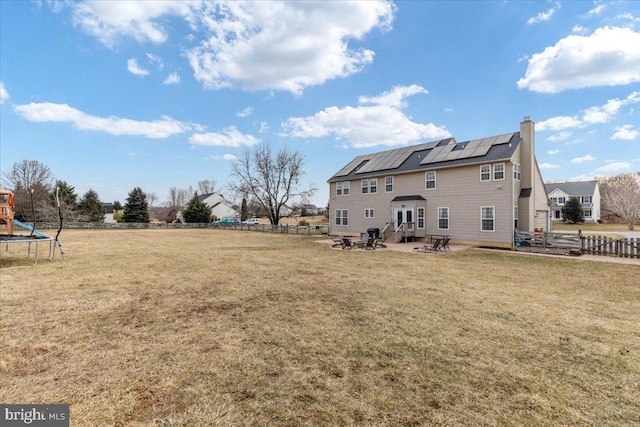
8	224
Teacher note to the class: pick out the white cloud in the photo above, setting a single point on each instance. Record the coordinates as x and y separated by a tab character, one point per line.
156	59
4	95
49	112
614	167
448	110
560	136
172	79
625	132
382	123
283	45
552	152
231	137
558	123
223	157
111	21
542	16
134	68
264	126
245	113
395	97
591	115
578	29
610	56
582	159
604	113
597	10
548	166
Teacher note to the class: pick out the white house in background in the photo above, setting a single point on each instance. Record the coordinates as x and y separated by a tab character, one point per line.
588	192
220	208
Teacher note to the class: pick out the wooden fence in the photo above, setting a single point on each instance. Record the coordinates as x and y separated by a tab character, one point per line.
312	229
603	245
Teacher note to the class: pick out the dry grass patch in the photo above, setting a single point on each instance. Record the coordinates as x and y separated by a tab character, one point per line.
228	328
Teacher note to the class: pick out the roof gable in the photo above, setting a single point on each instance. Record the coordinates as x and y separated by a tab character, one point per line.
578	188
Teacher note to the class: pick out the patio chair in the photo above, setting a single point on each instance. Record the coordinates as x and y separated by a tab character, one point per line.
436	247
370	244
445	244
347	243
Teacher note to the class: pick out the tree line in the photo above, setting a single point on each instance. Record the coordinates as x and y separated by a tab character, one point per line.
263	181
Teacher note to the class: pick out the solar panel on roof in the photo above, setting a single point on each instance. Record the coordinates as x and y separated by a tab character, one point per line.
453	155
351	166
488	141
469	149
481	150
503	139
387	160
432	154
446	149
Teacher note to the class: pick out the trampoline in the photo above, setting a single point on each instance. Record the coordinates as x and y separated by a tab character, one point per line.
8	224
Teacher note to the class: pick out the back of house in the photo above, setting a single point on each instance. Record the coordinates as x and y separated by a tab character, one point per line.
475	191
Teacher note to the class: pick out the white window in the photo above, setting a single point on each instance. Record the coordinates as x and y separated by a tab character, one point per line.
430	180
342	217
388	184
421	218
485	172
368	213
498	171
373	185
556	215
443	218
516	172
587	213
558	200
338	189
585	199
365	186
345	188
369	186
487	218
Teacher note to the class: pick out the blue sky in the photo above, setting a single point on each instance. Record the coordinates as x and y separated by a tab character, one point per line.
115	95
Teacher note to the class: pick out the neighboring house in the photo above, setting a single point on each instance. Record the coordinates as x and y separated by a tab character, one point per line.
474	191
108	213
220	208
309	210
588	192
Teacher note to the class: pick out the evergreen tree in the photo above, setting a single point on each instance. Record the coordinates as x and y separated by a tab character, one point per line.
197	211
117	206
572	211
244	210
91	207
136	208
66	194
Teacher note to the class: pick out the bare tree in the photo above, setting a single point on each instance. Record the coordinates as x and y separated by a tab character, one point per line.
621	197
177	198
208	186
152	198
27	178
272	180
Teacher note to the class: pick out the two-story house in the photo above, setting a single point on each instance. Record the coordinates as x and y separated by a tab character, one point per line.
475	191
588	192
